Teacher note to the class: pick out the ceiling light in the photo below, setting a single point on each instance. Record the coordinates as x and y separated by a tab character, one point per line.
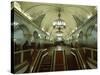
43	29
59	48
59	34
16	23
76	28
59	38
59	23
39	35
89	16
72	31
48	33
77	35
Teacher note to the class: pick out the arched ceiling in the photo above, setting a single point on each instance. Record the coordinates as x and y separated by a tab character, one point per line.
45	14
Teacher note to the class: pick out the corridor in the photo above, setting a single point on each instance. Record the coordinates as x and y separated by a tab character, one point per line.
52	37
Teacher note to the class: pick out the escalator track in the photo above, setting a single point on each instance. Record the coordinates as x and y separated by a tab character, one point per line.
71	62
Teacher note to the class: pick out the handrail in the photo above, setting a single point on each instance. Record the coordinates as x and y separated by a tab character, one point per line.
20	64
93	61
64	60
37	59
76	59
17	68
37	62
90	48
20	51
41	60
80	59
86	48
33	63
52	61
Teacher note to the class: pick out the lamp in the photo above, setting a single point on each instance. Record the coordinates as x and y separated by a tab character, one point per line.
59	23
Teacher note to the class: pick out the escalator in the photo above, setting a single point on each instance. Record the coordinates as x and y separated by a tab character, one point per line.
59	61
71	62
72	59
45	64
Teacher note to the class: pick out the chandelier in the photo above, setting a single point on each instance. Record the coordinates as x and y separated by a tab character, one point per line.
59	23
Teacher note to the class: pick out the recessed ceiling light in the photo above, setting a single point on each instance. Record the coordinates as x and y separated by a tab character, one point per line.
76	28
16	23
48	33
72	31
59	34
43	29
89	16
40	35
59	38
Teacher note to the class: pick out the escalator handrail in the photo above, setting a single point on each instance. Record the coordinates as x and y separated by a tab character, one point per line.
79	58
76	59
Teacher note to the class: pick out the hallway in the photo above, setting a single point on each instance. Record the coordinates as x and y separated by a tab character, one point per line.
52	37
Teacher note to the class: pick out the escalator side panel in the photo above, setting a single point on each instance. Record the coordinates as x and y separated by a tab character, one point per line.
45	65
71	62
59	64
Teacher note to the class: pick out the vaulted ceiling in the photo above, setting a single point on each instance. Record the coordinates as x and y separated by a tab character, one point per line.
44	14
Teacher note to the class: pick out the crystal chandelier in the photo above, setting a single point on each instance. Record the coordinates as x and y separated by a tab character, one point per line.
59	23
